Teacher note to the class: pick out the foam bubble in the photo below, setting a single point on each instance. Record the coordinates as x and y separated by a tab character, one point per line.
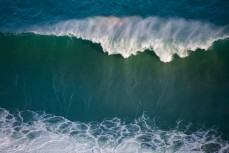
129	35
27	131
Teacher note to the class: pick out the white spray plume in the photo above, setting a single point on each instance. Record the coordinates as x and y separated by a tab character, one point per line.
129	35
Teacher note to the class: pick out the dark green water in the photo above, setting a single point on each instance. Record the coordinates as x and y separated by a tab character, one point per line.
75	79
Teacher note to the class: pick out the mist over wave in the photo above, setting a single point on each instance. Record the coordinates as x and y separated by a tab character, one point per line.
29	131
129	35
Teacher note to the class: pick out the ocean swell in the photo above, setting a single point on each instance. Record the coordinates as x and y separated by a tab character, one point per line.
129	35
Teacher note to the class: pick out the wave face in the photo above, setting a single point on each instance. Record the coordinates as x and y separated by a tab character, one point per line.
28	131
128	35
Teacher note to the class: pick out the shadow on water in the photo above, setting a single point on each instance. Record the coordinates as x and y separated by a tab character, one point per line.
74	78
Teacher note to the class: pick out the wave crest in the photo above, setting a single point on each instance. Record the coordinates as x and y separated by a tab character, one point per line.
129	35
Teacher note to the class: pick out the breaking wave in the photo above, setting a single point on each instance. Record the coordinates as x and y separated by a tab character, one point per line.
29	131
129	35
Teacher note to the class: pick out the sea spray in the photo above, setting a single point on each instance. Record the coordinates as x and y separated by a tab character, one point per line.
129	35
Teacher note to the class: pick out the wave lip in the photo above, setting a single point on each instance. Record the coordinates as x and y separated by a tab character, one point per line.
129	35
28	131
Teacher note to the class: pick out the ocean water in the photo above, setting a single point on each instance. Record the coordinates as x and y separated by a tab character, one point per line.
114	76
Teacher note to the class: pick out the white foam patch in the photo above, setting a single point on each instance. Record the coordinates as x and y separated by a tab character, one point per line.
28	131
129	35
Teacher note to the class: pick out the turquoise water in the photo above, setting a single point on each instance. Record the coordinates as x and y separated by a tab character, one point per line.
113	77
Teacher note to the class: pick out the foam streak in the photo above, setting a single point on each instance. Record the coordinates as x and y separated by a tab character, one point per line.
28	131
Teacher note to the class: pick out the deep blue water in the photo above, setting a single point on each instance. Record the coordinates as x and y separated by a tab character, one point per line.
15	13
114	76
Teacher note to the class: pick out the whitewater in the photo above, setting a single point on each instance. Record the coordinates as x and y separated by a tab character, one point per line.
29	131
129	35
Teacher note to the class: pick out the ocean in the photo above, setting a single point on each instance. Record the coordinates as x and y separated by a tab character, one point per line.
114	76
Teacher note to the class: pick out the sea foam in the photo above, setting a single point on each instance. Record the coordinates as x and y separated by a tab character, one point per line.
129	35
29	131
